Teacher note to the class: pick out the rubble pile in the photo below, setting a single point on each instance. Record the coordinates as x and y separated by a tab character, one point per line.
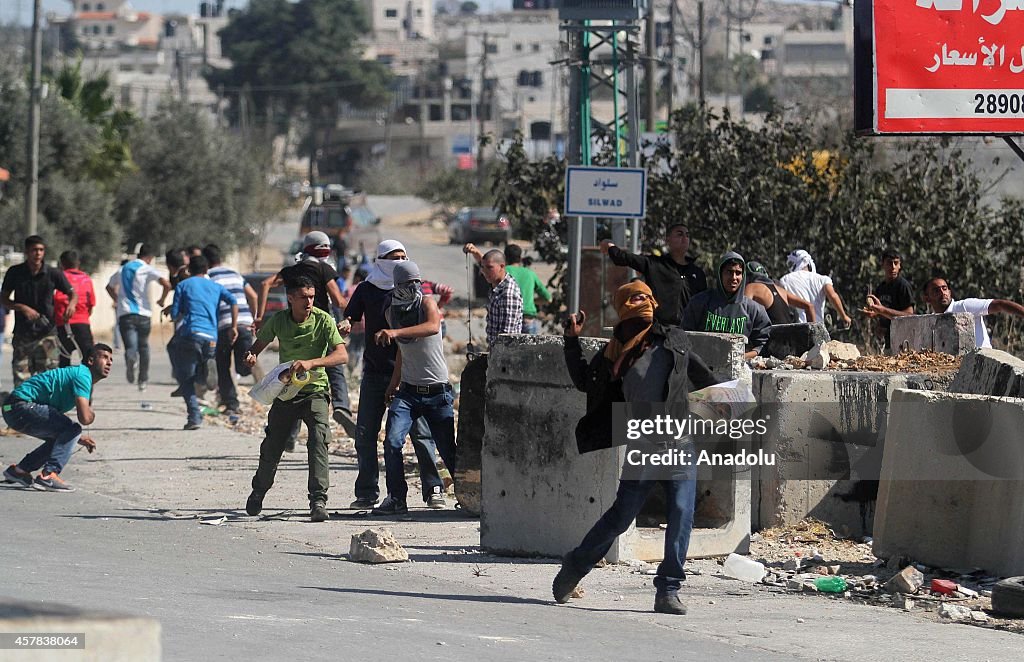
796	558
917	362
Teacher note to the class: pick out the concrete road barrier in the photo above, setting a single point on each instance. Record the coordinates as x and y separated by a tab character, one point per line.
990	372
105	637
951	333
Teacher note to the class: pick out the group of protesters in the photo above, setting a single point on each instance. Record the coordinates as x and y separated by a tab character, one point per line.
391	310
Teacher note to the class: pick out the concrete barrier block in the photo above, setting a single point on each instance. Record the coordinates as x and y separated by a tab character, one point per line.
824	429
952	522
794	339
722	352
109	637
540	496
951	333
959	523
990	372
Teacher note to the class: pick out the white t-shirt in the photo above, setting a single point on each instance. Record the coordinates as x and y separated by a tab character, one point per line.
810	286
132	282
976	307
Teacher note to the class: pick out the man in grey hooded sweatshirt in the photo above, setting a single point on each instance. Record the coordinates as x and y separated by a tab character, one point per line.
725	309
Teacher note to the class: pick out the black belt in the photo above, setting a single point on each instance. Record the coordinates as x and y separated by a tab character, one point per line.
428	389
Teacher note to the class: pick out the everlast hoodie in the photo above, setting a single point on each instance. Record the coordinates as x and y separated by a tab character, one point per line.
715	311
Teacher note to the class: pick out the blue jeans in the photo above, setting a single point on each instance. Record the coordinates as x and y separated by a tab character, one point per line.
407	406
188	360
58	432
531	325
368	420
135	334
225	350
680	493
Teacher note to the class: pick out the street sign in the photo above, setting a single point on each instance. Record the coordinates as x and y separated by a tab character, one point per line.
605	192
939	66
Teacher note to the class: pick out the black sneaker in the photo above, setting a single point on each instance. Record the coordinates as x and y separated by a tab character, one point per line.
391	506
669	603
565	581
14	474
192	426
345	420
254	504
362	504
318	513
177	393
130	370
437	502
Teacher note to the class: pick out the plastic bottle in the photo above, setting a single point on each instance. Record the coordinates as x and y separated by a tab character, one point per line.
744	569
830	584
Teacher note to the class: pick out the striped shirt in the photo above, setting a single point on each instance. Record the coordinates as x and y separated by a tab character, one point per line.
504	309
132	282
233	282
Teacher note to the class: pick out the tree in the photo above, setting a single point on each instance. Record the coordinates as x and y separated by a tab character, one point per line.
194	184
299	61
766	190
469	8
92	99
74	206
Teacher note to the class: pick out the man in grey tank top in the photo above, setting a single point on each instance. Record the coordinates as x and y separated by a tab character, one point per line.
419	385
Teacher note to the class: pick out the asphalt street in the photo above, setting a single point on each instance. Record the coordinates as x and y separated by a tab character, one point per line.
157	529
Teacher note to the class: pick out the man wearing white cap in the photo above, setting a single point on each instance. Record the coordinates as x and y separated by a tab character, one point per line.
419	388
370	301
312	263
804	281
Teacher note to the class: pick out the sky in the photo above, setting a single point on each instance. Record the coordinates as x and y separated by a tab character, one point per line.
20	11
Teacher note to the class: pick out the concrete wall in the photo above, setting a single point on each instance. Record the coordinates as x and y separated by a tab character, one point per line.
958	514
540	496
108	637
825	428
990	372
952	333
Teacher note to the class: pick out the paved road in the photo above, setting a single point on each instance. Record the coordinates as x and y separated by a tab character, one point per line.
131	539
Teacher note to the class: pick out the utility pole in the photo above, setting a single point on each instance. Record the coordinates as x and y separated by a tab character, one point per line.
672	9
32	197
482	113
651	68
700	52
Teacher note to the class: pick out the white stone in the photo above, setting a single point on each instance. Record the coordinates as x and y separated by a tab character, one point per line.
954	612
376	546
842	351
979	617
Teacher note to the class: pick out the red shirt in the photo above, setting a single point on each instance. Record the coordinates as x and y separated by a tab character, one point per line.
82	285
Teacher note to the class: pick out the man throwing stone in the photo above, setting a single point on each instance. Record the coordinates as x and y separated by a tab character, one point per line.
37	408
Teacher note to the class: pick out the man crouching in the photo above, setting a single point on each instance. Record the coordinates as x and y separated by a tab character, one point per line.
310	340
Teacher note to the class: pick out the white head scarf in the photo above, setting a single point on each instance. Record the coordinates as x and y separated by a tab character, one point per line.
799	259
382	274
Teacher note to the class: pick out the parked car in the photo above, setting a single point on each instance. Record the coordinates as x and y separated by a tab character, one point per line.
277	300
479	224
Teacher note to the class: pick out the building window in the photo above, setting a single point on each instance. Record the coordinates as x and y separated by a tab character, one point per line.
99	6
531	99
419	12
536	48
95	29
492	48
518	48
390	13
768	40
85	6
110	29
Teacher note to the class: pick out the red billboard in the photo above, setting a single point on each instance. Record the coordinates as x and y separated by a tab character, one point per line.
940	66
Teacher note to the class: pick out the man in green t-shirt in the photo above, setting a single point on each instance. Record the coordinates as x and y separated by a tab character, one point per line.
310	341
37	407
530	285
